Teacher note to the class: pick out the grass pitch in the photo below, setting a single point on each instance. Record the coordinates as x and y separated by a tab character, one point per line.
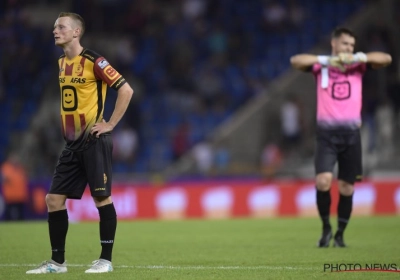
248	249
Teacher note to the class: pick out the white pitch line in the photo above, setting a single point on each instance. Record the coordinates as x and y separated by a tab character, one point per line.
171	267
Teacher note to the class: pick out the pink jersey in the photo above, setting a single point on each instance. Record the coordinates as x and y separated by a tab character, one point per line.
339	95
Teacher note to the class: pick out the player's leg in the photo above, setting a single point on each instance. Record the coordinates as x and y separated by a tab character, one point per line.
99	170
350	171
58	225
325	159
344	209
107	227
68	181
323	183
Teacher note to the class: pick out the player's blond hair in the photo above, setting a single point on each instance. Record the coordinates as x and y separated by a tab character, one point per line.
77	19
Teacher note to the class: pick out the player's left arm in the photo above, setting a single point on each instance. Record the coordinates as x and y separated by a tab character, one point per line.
123	99
378	59
375	59
104	71
125	93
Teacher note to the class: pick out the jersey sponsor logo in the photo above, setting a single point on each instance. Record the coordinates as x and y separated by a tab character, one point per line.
62	80
103	63
69	98
341	90
110	72
78	80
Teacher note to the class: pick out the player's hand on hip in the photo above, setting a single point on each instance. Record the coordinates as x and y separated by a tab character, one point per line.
100	128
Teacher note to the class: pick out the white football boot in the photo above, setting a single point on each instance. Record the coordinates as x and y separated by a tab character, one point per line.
49	267
100	266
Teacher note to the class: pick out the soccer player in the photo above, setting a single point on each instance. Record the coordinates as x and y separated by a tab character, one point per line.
86	159
339	96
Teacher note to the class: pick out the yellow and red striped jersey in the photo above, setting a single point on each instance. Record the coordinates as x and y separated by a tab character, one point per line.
83	84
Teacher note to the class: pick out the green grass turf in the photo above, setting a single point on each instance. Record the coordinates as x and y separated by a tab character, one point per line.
203	249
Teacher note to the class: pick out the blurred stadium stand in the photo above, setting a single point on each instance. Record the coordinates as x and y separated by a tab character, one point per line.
218	68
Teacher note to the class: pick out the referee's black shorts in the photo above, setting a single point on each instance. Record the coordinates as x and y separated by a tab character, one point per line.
92	166
341	146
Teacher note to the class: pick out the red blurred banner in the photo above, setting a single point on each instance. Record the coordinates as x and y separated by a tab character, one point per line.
226	199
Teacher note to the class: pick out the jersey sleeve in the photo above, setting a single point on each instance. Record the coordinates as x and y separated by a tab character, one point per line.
316	68
104	71
363	67
358	67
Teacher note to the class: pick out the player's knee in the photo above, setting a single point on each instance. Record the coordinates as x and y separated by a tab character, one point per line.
345	188
323	182
102	200
55	202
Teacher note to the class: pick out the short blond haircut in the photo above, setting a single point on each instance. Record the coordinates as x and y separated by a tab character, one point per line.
77	19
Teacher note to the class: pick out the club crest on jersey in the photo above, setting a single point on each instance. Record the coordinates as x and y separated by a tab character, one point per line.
78	69
61	69
103	63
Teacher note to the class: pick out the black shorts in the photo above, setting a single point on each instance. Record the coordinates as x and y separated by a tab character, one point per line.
343	147
92	166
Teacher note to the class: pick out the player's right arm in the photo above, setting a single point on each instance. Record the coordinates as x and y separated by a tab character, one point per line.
303	61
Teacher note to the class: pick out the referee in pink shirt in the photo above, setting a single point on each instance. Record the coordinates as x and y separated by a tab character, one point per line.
339	97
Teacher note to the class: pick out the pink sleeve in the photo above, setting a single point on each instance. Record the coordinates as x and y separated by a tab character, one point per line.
316	68
360	67
363	67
